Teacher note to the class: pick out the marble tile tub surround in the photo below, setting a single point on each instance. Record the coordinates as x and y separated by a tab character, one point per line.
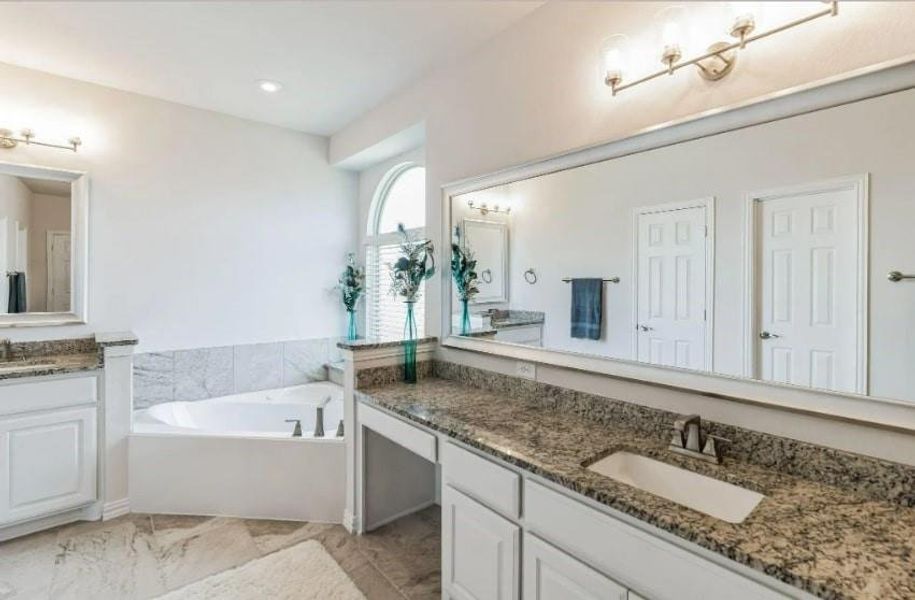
201	373
874	478
821	538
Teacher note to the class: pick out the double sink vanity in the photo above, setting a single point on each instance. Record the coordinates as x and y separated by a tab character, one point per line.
549	493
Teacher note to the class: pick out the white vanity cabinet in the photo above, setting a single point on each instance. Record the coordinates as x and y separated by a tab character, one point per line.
551	574
48	447
510	535
480	550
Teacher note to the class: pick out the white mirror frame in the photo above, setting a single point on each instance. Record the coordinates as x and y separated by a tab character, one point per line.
887	78
501	295
79	251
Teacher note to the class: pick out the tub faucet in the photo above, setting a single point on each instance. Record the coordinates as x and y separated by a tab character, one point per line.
297	430
319	422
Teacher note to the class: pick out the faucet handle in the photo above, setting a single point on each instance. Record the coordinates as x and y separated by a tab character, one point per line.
711	446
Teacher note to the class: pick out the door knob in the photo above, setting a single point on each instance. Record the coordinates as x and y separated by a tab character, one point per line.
646	328
765	335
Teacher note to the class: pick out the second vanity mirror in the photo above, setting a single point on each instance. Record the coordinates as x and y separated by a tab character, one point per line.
43	246
759	253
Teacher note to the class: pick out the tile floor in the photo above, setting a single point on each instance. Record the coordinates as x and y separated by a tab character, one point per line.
143	556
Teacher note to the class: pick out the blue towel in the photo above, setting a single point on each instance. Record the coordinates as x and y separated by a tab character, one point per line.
587	308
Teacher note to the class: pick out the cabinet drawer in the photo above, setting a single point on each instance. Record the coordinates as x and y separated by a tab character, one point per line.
18	397
657	568
491	484
412	438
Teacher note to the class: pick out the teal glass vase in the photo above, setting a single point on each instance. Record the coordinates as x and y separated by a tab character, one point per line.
409	345
352	330
465	317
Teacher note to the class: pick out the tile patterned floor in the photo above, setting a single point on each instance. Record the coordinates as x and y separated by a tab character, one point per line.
143	556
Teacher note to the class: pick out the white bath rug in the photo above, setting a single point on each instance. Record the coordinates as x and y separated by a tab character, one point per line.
304	571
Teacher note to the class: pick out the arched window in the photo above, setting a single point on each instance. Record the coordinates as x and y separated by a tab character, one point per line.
399	198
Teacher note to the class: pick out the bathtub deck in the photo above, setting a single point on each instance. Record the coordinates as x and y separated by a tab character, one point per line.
143	556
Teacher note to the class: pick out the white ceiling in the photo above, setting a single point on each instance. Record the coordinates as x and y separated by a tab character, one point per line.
336	60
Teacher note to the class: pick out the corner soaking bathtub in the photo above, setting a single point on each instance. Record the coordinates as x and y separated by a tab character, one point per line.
236	456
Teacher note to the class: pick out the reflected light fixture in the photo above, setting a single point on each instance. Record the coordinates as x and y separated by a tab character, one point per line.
8	141
485	209
719	58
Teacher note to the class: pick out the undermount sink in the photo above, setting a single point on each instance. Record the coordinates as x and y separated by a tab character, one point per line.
715	498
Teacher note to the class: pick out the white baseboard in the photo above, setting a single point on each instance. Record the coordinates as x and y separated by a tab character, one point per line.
401	514
115	508
351	522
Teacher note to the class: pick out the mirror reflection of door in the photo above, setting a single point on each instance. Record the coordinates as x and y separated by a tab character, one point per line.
673	254
58	271
808	279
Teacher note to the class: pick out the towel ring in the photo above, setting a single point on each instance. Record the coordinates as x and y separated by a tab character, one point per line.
486	276
530	276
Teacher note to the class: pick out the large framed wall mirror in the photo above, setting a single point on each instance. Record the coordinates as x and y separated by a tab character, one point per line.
43	246
759	253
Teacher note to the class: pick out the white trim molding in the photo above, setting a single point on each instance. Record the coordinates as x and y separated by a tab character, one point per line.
870	82
860	185
115	509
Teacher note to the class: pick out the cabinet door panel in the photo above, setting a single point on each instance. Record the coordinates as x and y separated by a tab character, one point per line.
551	574
480	550
47	463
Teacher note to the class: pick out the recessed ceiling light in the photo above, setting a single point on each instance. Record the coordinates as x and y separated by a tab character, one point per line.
271	87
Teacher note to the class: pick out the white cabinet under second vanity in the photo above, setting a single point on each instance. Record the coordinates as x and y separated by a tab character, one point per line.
522	518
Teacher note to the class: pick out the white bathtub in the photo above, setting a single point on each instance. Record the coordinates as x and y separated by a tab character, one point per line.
262	414
235	456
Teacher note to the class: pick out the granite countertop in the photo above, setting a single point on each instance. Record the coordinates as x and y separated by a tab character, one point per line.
53	364
378	343
515	318
826	540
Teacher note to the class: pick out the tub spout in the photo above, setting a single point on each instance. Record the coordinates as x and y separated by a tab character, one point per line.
297	430
319	422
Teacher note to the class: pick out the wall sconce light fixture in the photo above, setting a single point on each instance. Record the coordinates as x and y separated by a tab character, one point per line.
8	141
717	61
486	209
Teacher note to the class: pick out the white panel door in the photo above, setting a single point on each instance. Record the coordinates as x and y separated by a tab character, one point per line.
671	298
47	463
807	278
58	271
480	550
551	574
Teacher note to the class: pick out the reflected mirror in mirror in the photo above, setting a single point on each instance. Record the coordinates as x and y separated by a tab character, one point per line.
759	253
35	245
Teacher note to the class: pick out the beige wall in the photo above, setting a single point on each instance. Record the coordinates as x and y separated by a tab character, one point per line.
535	91
48	213
204	229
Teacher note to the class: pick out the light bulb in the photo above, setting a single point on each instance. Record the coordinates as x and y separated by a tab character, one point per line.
671	19
613	59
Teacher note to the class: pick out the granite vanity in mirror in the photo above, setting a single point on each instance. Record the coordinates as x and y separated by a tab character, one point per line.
758	253
42	246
